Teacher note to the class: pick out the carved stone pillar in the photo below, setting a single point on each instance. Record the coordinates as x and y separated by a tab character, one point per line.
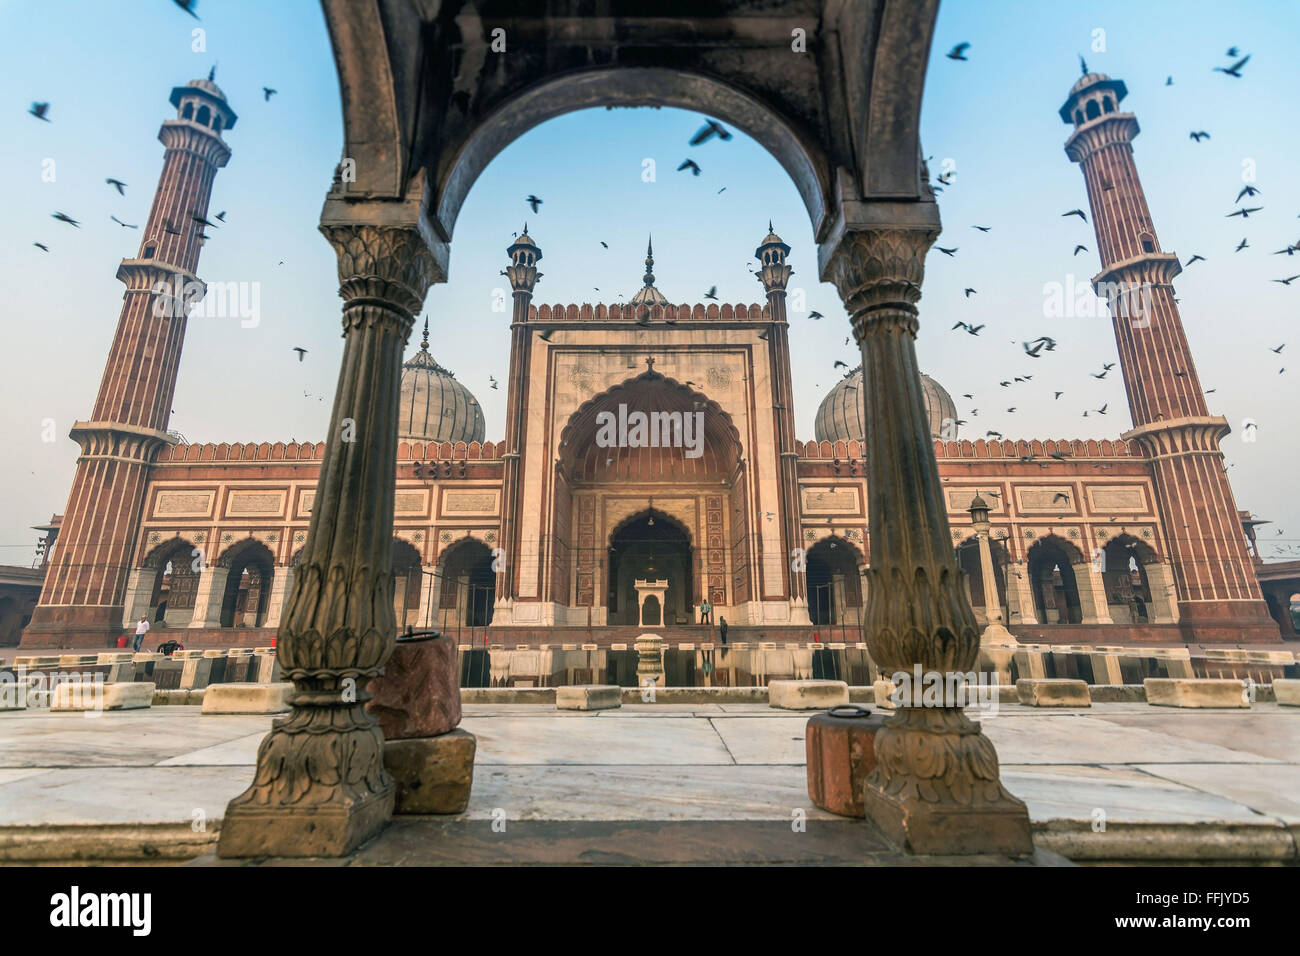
936	786
320	787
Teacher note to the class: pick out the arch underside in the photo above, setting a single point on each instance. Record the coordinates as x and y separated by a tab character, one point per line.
831	90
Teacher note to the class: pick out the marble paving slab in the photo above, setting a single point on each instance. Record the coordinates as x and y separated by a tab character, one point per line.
642	793
239	752
543	740
779	740
116	738
1270	734
1123	794
1065	739
1272	789
114	795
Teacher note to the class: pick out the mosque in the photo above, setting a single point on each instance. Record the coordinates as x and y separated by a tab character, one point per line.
553	530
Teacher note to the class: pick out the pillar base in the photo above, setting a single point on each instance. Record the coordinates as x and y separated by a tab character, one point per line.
249	831
936	788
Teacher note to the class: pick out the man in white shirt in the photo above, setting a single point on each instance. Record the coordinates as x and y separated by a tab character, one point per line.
141	630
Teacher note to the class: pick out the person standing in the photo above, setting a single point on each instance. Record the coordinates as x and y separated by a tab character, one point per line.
141	630
706	612
722	630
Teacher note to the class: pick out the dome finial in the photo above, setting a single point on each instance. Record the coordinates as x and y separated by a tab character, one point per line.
424	342
648	294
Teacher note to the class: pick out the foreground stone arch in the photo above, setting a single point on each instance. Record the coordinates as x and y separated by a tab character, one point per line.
427	102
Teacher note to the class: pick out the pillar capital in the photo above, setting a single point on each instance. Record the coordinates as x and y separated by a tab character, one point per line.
878	273
386	265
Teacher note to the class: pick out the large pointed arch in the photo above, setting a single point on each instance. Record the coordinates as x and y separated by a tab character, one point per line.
585	460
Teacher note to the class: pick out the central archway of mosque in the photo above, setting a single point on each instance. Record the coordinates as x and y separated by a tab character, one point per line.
650	547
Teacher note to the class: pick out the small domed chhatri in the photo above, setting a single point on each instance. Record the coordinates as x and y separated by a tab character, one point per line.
433	405
840	415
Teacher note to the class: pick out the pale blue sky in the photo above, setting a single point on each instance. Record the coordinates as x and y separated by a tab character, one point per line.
107	71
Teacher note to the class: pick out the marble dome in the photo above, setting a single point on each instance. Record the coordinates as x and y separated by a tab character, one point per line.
434	406
840	416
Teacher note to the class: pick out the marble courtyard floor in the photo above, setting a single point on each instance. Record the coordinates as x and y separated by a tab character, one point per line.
1123	782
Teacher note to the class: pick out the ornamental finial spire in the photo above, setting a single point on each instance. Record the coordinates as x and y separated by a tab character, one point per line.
424	342
649	277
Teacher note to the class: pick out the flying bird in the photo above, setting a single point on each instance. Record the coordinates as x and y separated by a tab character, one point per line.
712	293
958	52
1279	349
982	228
1247	190
534	202
1195	258
124	225
267	93
301	351
1244	212
1234	70
1080	248
947	252
970	292
839	364
1287	281
221	217
710	129
492	380
815	315
546	336
1075	212
63	217
1057	395
1198	136
203	221
188	6
41	245
117	184
39	110
690	164
1241	245
1169	81
1033	348
604	243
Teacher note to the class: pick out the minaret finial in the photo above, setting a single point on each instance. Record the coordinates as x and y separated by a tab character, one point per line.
212	74
649	277
424	343
769	226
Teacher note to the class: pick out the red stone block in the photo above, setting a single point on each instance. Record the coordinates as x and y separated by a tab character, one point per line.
841	748
419	692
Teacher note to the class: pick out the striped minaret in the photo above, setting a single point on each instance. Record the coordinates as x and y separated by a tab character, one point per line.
85	584
1218	595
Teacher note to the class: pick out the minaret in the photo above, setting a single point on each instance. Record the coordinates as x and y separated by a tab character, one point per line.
523	275
85	586
774	274
1218	595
